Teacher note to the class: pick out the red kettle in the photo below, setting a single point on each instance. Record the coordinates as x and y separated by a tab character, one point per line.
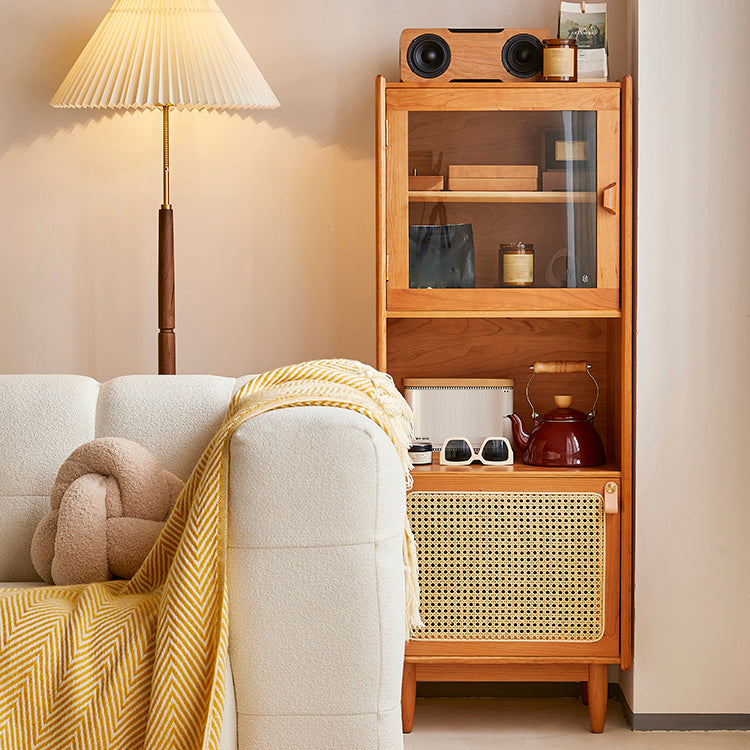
563	436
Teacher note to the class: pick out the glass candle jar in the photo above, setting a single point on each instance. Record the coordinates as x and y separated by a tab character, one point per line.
420	453
517	264
560	60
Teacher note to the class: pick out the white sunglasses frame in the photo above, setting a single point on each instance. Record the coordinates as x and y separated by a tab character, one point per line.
477	455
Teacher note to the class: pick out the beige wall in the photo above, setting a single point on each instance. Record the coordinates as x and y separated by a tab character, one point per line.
692	649
274	212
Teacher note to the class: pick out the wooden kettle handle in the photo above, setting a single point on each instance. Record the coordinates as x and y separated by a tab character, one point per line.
552	368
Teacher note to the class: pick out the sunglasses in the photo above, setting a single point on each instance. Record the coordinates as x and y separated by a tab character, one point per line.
494	451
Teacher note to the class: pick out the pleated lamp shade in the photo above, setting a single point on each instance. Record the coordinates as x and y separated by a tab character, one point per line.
149	53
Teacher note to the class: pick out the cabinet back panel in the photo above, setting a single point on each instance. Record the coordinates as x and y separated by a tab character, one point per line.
544	226
437	140
506	347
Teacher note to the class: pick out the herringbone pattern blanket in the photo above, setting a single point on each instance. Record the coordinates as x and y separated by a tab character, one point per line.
140	663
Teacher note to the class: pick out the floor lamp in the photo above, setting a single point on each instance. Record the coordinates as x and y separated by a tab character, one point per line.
165	53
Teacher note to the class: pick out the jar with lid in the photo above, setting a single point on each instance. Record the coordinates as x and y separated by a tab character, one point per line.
420	453
560	60
516	264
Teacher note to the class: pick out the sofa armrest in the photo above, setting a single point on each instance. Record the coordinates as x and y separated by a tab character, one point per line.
316	586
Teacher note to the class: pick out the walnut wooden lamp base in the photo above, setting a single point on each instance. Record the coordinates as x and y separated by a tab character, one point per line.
166	293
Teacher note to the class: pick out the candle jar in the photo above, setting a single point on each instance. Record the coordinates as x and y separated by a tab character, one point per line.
560	60
421	453
516	264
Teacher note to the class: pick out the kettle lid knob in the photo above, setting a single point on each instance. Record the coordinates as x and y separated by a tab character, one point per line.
563	402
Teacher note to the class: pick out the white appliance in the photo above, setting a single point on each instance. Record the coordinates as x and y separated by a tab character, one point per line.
474	408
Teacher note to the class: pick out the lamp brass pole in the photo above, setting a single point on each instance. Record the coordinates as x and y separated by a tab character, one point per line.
167	365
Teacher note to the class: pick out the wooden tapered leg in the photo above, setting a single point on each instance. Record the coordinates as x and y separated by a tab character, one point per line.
585	693
408	696
597	693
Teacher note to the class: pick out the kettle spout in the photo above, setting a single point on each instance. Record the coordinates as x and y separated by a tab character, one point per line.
520	437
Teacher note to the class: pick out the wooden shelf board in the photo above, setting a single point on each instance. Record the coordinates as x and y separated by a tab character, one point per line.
454	86
491	302
491	196
395	314
532	660
606	472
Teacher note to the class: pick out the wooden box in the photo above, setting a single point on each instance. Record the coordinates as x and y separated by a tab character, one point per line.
425	182
498	177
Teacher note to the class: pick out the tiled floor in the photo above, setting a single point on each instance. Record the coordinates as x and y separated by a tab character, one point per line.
549	723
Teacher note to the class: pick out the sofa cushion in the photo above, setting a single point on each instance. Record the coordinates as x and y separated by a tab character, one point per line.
43	418
172	416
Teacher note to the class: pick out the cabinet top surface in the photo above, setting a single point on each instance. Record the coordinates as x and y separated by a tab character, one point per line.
519	85
607	471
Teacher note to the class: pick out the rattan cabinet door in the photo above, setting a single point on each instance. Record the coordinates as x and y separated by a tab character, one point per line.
515	572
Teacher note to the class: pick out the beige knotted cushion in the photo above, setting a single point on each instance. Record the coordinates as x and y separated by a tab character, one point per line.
108	505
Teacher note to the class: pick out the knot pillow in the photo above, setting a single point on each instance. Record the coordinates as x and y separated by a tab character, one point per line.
108	505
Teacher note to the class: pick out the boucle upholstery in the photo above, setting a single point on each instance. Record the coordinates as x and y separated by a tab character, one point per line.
315	522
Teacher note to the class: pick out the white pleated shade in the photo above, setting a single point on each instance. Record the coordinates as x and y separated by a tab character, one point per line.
147	53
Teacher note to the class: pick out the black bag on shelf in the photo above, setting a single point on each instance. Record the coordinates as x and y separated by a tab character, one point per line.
441	256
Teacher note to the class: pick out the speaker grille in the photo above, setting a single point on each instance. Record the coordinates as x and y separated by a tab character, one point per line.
522	56
428	56
510	566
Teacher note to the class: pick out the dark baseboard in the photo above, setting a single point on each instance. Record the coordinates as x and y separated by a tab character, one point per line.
681	722
690	722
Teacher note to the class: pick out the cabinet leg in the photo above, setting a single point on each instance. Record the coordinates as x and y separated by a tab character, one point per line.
597	694
408	696
585	693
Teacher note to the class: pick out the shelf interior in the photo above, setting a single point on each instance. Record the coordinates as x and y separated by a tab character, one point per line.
506	348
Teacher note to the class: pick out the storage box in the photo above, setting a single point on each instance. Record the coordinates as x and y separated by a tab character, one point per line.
471	408
493	177
488	171
425	182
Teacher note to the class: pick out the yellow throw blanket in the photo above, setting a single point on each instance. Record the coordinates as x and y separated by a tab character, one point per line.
140	663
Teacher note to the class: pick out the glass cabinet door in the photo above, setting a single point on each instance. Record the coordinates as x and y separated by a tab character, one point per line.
489	203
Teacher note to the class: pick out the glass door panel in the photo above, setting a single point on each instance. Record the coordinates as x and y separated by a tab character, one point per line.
481	180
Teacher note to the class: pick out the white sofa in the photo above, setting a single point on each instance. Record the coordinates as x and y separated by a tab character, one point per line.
316	515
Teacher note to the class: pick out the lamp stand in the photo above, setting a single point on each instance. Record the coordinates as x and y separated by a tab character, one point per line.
166	267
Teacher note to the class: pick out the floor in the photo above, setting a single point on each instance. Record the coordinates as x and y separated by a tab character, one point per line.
549	723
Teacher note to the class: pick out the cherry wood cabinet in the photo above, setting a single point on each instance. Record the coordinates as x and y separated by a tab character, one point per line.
525	571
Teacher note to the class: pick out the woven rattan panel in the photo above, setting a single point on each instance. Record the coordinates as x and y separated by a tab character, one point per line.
510	566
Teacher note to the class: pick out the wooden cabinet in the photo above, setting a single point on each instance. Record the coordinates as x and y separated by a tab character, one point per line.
525	571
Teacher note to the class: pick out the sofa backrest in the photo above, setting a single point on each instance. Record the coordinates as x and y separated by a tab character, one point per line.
43	418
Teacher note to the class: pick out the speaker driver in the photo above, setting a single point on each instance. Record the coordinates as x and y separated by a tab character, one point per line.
429	56
522	56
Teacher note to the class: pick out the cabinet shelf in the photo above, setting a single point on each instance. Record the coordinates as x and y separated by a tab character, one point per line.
489	196
398	314
500	303
605	472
